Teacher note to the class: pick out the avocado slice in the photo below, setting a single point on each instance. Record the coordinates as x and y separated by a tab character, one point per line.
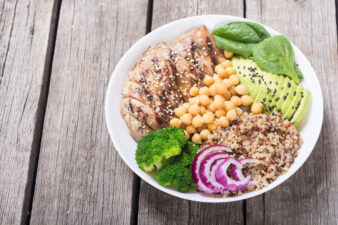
283	95
292	87
272	84
276	94
297	98
262	96
243	70
297	117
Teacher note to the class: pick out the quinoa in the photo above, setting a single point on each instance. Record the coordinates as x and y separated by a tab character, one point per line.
268	138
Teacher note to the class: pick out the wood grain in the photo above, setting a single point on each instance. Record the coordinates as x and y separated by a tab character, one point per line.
26	34
156	207
311	195
81	179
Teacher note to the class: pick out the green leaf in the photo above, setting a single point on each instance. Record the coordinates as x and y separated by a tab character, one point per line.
244	49
299	73
275	55
260	30
237	31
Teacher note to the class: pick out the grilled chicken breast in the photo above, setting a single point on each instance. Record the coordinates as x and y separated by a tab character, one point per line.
161	79
199	48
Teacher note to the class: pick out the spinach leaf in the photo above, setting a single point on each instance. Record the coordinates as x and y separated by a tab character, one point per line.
237	31
260	30
299	73
244	49
275	55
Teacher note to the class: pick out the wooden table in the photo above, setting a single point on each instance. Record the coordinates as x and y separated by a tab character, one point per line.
57	162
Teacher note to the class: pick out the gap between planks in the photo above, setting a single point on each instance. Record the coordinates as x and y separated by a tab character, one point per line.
137	180
34	160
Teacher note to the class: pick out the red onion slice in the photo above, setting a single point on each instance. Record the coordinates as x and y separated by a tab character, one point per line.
208	170
250	160
228	182
197	164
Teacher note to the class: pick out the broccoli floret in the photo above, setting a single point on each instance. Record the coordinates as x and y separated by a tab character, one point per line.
191	148
156	148
179	172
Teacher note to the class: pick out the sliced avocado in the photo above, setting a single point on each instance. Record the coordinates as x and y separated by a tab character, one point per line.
276	94
297	98
243	70
297	117
271	82
283	95
262	96
292	87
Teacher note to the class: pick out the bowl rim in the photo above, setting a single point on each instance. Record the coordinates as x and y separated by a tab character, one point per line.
209	198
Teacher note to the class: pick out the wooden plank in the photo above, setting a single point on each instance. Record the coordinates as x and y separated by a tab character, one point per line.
81	179
310	196
155	207
26	34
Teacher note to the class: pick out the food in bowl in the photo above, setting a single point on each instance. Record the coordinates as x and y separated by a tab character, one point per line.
213	112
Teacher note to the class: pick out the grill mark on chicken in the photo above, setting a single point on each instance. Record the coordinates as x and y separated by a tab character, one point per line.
211	51
131	106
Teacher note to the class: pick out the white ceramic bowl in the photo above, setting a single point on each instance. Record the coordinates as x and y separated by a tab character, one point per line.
309	128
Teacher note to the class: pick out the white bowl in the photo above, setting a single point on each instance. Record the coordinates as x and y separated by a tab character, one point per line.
125	144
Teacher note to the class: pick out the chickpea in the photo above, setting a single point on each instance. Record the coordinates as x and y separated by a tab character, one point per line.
204	100
229	105
221	88
196	138
186	119
246	100
232	91
231	115
223	122
230	70
219	97
218	103
186	107
187	135
194	100
194	109
213	90
228	54
241	89
227	95
197	121
208	80
228	83
236	100
257	108
219	69
239	111
205	126
180	111
234	79
208	117
204	134
175	122
212	126
226	63
190	129
203	109
212	107
194	91
220	112
204	91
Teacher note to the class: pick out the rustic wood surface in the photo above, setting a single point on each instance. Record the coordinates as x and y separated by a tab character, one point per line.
57	162
81	179
26	31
